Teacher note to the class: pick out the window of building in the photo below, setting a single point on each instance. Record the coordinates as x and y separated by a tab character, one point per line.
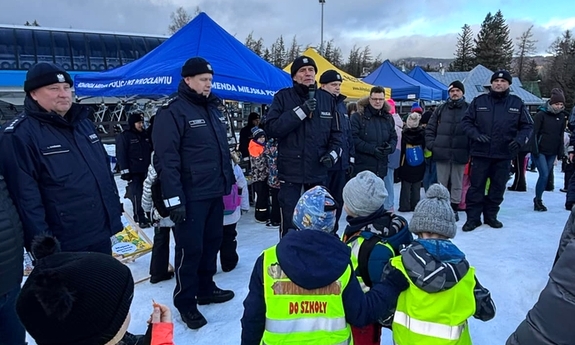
44	46
152	43
25	49
127	52
7	49
112	51
79	51
62	56
96	52
139	46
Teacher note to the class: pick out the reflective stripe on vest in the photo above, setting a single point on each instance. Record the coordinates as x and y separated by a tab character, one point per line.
439	318
298	316
428	328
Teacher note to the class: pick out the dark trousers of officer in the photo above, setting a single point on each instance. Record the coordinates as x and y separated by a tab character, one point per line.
198	241
288	197
336	180
136	187
497	170
262	212
275	211
160	252
228	250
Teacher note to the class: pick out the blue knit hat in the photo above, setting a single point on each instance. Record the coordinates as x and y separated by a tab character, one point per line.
315	210
416	108
257	132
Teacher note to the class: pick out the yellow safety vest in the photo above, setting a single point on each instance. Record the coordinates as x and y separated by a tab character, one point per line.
355	245
439	318
295	315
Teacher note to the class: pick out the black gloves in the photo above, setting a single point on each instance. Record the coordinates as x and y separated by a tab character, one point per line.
514	146
178	215
386	148
349	170
309	106
482	138
126	177
382	152
327	161
395	278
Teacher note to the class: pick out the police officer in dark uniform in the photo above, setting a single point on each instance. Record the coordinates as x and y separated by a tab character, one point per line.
133	152
56	167
498	124
193	163
309	136
341	171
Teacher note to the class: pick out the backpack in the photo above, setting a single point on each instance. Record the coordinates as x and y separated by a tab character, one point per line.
413	155
157	199
232	200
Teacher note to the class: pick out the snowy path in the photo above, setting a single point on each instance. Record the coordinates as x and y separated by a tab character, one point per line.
513	262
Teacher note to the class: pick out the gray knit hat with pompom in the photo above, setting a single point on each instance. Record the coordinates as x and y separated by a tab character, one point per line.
434	213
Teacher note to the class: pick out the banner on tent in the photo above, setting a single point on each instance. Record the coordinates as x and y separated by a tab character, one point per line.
160	80
241	88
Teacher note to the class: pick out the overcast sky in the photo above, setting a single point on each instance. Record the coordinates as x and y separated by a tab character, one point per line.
396	29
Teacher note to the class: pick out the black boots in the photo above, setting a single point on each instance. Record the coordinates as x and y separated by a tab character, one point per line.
538	205
217	296
470	225
194	319
455	208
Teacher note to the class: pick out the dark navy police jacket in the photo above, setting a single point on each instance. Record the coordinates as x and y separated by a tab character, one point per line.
59	177
502	117
301	143
192	157
133	151
347	145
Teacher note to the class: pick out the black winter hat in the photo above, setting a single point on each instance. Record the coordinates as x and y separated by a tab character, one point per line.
330	76
196	65
135	117
502	74
300	62
45	73
557	96
74	298
456	84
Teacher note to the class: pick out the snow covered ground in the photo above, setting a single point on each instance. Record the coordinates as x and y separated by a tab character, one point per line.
513	262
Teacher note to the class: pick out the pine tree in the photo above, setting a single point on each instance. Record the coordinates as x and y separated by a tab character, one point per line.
493	47
337	58
464	57
353	65
294	50
253	45
328	50
525	48
561	70
267	55
532	71
278	53
366	60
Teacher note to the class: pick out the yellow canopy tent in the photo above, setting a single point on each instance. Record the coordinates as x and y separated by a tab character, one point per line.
351	87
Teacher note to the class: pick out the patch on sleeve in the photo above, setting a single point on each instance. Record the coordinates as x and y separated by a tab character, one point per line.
10	127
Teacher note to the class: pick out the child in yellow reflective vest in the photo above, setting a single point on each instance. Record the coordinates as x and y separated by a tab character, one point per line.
443	290
374	235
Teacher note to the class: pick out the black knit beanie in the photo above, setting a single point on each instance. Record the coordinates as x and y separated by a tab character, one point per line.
196	65
300	62
557	96
330	76
502	74
135	117
456	84
74	298
45	73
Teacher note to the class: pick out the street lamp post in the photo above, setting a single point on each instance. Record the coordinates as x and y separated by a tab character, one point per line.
322	2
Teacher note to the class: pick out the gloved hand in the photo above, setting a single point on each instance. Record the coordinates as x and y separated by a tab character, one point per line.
379	155
482	138
309	106
395	278
387	149
327	161
349	170
514	146
126	177
178	215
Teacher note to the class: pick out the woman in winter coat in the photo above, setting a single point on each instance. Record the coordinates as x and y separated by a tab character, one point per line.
550	321
547	138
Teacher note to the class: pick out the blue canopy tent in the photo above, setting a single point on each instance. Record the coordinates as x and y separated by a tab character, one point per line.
402	86
421	76
239	74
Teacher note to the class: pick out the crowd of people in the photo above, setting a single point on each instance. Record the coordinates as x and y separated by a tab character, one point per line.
311	157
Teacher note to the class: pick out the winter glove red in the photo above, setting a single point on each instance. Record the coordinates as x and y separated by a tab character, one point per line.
178	215
327	161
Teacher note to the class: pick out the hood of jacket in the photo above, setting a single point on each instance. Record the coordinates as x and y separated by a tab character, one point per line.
363	104
456	104
434	265
312	259
548	109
